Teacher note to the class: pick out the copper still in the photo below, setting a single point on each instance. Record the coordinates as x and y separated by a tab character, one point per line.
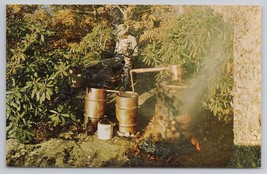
126	102
176	106
94	105
126	111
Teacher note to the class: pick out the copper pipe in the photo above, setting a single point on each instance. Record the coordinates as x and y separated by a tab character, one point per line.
115	91
144	70
176	72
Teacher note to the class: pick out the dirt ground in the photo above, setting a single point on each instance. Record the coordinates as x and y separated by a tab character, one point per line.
214	149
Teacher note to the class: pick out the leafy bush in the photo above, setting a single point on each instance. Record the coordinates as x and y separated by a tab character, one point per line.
201	41
42	44
38	58
89	49
35	77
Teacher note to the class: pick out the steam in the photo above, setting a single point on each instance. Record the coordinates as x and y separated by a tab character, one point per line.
205	79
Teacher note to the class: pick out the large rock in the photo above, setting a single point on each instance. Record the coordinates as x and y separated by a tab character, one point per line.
247	76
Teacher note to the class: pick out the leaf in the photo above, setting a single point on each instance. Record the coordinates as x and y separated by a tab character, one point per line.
73	117
49	91
48	96
65	115
32	94
53	111
63	121
28	85
42	98
42	38
37	95
35	74
65	73
60	108
29	136
56	121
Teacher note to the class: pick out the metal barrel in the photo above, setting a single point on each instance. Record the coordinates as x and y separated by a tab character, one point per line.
94	105
126	111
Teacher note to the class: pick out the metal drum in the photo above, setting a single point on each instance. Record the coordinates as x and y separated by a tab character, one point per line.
126	111
94	105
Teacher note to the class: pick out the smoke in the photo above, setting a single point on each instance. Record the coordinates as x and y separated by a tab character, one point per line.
205	79
202	84
179	104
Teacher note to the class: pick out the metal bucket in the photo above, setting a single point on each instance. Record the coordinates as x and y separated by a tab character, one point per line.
104	130
94	105
126	111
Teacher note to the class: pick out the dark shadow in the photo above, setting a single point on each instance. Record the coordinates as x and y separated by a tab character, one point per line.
146	112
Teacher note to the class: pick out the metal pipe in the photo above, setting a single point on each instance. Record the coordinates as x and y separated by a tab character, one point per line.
110	90
176	72
144	70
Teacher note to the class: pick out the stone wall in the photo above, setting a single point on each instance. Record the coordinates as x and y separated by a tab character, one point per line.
247	75
247	72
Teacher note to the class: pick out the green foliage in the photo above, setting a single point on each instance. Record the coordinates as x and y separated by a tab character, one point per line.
89	49
36	73
201	41
60	115
187	39
42	44
246	157
220	99
35	76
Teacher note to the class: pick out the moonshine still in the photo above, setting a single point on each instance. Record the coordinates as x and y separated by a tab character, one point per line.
172	119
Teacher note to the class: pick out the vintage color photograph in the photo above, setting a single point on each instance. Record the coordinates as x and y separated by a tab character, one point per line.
133	86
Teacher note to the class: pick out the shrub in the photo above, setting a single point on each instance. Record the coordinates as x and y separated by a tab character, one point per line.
202	42
38	61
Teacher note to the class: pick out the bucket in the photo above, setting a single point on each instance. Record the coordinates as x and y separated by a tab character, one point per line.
126	111
104	129
94	105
